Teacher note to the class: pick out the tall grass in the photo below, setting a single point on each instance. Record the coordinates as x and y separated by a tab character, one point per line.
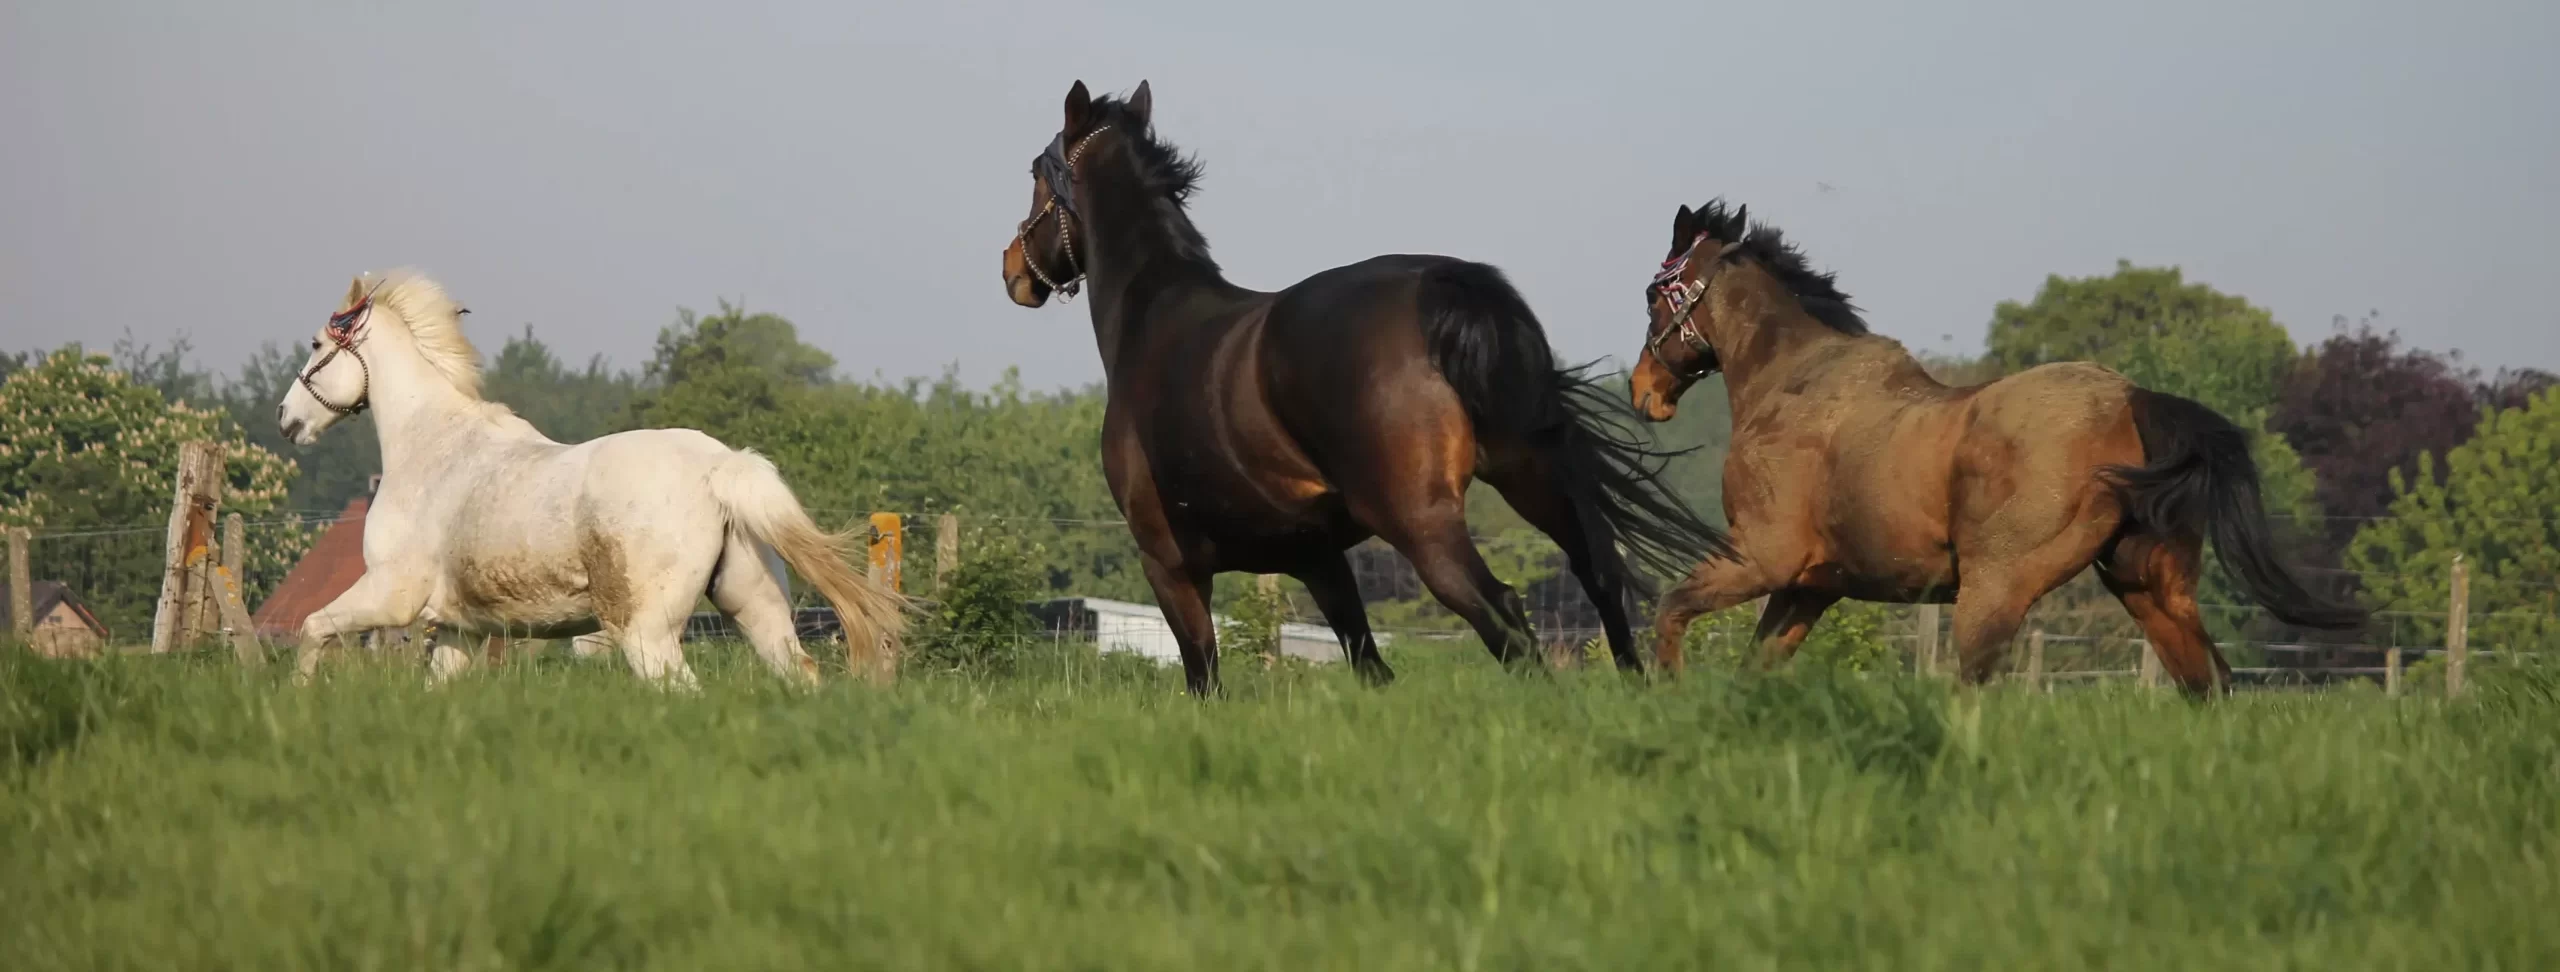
163	814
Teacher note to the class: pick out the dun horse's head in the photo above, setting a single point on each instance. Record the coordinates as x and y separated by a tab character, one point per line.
1044	257
335	382
1676	351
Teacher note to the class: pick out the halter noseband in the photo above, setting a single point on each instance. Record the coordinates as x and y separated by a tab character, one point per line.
342	337
1055	167
1685	299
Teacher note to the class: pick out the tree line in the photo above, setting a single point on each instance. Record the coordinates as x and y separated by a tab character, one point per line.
2383	460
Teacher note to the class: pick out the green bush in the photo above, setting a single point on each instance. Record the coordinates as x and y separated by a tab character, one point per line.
980	624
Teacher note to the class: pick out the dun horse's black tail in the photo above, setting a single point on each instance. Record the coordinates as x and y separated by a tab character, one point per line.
2198	478
1490	347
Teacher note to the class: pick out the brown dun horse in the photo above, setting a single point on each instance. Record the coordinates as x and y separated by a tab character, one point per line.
1270	432
1853	474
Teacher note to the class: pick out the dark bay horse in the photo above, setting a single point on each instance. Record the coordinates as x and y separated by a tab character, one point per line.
1270	432
1853	474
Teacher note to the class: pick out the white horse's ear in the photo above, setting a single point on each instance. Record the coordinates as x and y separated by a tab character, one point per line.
355	292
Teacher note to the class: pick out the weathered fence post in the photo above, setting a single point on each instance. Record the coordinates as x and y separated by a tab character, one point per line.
2391	672
190	533
2035	659
2457	629
946	549
2150	664
1924	654
22	599
888	550
1267	587
235	547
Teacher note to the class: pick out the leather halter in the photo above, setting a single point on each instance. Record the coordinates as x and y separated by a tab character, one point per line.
341	332
1055	167
1685	299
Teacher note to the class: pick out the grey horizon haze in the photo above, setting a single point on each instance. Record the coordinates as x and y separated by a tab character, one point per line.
219	170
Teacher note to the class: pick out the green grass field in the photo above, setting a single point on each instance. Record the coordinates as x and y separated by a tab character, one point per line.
164	814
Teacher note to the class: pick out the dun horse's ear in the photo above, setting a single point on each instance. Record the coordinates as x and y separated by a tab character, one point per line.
1741	224
1079	107
1142	105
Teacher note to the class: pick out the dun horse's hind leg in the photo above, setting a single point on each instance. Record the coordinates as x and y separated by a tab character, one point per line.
1337	593
1535	497
743	588
2155	578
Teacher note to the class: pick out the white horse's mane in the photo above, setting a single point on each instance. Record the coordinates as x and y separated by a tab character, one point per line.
432	318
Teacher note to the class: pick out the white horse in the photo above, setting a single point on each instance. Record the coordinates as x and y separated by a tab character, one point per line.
482	524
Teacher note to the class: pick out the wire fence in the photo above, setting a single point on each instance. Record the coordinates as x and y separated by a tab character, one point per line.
116	571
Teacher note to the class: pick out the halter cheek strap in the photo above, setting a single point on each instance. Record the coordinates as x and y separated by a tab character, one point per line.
343	337
1056	169
1686	297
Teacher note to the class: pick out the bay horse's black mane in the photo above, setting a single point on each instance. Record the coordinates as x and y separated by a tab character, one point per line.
1170	175
1766	245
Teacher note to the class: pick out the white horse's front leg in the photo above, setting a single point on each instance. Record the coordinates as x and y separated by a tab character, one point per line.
378	600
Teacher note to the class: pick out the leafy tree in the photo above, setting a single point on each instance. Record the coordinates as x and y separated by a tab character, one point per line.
83	445
2149	323
2360	407
2514	388
2497	503
570	405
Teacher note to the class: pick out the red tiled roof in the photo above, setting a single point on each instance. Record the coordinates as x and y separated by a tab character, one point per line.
333	565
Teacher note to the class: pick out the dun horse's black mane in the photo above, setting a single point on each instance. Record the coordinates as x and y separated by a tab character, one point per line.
1766	245
1168	172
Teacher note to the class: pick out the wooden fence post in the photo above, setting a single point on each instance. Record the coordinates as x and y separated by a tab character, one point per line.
1924	655
190	534
2457	629
2035	659
946	549
2150	664
2391	673
22	600
888	550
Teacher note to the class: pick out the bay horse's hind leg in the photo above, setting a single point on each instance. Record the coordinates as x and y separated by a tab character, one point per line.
1337	593
1455	573
2155	578
745	588
1538	500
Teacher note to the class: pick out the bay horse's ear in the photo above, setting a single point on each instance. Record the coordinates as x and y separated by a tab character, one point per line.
1079	107
1681	231
1142	105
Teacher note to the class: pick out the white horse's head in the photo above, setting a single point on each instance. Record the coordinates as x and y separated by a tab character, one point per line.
385	326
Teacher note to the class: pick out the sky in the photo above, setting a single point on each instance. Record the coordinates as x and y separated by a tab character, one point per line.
218	171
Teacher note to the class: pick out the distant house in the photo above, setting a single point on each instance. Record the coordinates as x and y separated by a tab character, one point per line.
1139	629
63	627
333	564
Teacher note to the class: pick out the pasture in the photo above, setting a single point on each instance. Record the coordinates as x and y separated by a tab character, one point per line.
1081	813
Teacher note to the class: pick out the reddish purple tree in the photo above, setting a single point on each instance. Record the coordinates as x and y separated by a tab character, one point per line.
2513	388
2358	406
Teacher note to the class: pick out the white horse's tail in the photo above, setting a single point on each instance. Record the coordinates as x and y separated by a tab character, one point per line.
757	501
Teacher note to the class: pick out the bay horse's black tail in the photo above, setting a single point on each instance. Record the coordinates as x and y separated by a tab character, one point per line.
1491	349
2197	477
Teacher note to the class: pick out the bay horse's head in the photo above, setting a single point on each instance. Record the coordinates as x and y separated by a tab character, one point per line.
1043	259
1676	351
